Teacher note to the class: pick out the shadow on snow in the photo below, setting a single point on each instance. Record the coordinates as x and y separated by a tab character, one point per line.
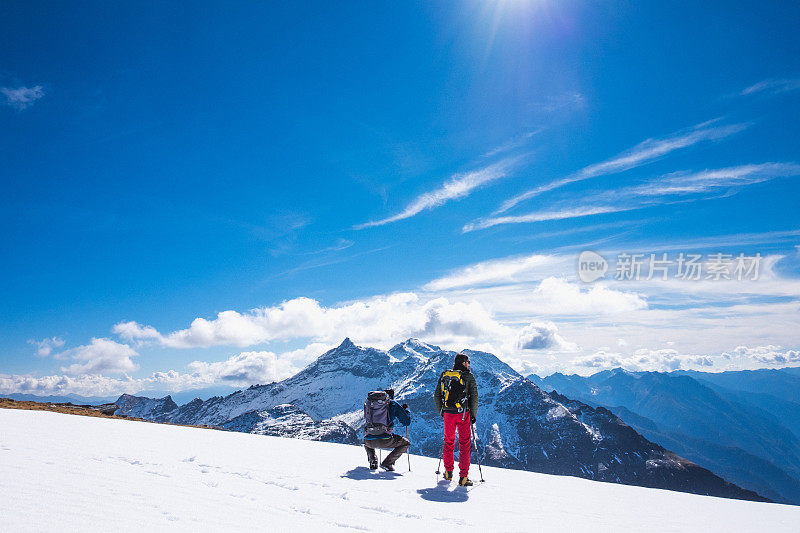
439	493
362	472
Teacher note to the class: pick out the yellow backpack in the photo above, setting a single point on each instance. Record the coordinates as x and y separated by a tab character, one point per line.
455	396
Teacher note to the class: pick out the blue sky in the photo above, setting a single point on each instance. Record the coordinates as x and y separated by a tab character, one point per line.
415	169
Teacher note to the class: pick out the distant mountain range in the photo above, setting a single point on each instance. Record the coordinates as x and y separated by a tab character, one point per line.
774	391
180	397
745	425
68	398
519	424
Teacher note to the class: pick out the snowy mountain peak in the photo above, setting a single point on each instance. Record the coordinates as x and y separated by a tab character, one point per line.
616	371
419	346
346	344
347	357
413	347
142	407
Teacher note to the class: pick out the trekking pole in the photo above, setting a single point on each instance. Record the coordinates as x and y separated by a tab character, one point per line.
439	468
477	454
408	455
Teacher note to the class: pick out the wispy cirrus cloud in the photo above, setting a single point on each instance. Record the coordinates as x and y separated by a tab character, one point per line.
513	144
504	270
21	98
338	246
709	180
772	86
541	216
561	103
644	152
457	187
662	190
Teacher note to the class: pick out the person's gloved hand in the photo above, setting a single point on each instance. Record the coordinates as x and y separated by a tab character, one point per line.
472	418
405	406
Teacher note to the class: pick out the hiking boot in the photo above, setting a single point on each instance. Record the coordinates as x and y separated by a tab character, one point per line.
448	475
373	465
388	468
464	482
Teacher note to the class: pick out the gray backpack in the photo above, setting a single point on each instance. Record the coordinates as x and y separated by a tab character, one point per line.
376	413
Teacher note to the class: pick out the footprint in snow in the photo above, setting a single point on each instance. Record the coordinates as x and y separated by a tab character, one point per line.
349	526
392	513
281	485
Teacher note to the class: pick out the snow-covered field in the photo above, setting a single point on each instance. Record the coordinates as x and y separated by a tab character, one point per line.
72	473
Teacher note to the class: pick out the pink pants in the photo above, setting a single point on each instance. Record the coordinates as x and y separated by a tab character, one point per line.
462	422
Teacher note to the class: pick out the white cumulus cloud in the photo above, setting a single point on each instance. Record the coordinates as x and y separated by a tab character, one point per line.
247	368
375	320
131	331
543	336
83	385
45	347
660	360
770	355
560	297
101	356
240	370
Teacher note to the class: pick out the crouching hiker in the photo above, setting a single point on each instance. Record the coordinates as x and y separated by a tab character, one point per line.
456	400
380	412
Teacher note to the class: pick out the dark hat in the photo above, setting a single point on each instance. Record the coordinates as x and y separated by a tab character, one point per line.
390	392
461	358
